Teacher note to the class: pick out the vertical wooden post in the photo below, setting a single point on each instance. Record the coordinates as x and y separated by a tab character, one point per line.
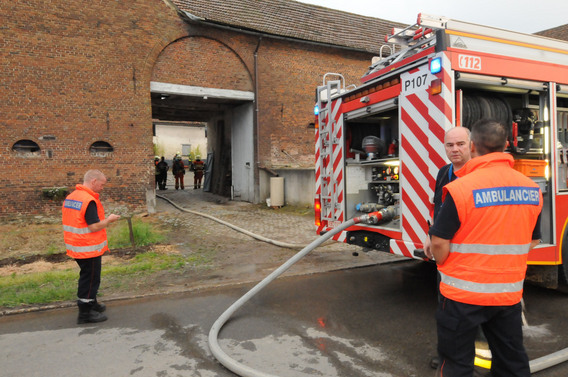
129	219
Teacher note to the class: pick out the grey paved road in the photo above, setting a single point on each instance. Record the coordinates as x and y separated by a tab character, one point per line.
372	321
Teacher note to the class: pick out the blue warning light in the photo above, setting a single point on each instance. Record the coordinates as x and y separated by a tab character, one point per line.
435	65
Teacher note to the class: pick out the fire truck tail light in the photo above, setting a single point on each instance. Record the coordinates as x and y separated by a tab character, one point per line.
435	65
317	211
436	87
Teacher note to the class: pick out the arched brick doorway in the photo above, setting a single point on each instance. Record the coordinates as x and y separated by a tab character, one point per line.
198	79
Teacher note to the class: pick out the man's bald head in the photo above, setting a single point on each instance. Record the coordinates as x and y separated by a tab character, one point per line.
457	145
94	180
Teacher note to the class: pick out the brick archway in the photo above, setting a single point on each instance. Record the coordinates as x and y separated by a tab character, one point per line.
202	79
203	62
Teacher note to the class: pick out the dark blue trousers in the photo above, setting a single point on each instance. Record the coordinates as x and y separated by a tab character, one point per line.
89	278
457	329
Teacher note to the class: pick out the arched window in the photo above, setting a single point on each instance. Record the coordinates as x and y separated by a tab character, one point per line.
101	149
26	148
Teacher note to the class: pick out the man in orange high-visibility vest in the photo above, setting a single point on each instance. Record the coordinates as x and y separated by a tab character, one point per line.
488	223
84	232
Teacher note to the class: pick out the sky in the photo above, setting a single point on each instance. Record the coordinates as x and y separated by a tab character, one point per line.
525	16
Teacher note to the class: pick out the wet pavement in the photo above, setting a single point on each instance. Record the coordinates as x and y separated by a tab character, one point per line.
371	321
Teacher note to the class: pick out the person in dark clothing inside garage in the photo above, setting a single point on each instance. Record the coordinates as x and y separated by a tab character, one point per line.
163	173
178	170
198	168
156	171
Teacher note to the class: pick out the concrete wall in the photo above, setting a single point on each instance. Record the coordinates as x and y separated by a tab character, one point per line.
299	186
170	138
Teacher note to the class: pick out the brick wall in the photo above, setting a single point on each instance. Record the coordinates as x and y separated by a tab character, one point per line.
73	73
289	74
202	61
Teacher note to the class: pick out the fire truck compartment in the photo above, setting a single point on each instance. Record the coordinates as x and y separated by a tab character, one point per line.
372	171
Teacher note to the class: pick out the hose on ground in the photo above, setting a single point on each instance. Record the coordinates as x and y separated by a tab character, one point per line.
549	360
232	364
253	235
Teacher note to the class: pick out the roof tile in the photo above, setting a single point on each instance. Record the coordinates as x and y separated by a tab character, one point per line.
293	19
559	32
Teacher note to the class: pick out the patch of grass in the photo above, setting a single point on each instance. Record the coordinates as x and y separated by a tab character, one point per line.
53	249
144	234
37	288
152	262
289	209
47	287
143	263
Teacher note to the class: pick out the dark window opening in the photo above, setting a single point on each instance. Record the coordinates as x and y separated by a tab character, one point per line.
101	148
26	147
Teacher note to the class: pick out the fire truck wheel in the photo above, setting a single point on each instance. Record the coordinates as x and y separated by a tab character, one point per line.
563	278
563	268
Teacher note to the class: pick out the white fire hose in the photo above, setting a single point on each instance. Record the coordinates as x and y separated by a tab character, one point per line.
246	371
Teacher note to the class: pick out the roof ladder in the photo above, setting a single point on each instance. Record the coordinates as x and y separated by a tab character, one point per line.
328	196
411	39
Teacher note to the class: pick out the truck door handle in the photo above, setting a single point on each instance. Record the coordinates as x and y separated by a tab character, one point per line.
420	253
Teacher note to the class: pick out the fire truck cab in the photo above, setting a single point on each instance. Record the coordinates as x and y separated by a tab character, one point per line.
379	145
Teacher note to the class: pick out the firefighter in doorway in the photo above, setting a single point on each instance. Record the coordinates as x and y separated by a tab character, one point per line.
163	173
198	168
178	169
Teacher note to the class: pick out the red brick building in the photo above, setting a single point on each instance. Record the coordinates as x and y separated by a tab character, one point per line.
83	83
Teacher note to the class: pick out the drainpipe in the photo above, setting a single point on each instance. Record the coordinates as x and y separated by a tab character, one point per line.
255	127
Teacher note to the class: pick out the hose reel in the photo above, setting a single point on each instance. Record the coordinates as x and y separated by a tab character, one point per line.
520	123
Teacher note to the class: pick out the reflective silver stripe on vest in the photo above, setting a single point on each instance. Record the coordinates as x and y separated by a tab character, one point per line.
489	249
72	229
482	287
86	249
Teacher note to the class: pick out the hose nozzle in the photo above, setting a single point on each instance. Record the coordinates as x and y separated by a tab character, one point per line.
385	214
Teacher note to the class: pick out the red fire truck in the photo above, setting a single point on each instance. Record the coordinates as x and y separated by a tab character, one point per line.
379	145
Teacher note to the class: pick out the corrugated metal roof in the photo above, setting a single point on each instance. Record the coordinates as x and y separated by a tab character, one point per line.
293	19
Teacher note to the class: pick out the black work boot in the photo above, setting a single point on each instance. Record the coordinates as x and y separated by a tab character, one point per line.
88	315
99	307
